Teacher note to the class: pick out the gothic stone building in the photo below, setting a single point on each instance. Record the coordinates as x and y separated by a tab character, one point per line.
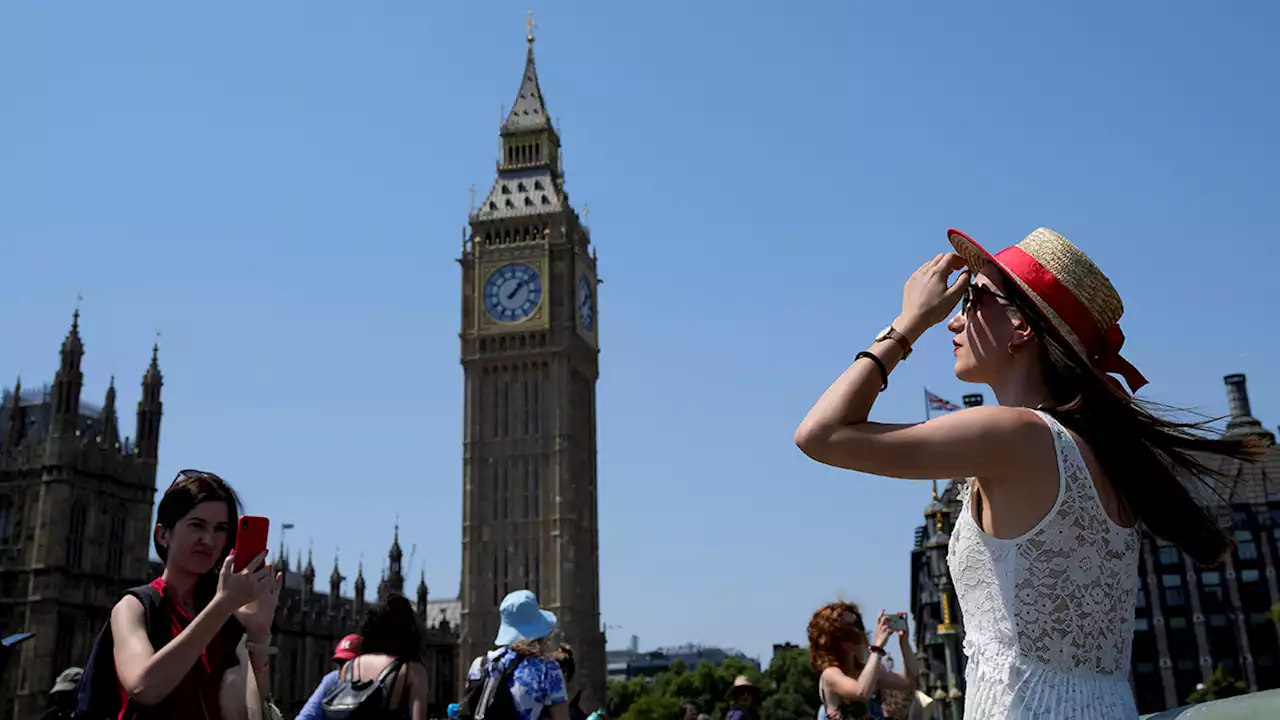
939	628
75	520
1188	620
309	624
530	364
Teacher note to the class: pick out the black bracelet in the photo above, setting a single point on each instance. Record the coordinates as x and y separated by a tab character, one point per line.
884	372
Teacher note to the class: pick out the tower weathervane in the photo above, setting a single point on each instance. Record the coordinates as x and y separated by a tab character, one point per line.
529	25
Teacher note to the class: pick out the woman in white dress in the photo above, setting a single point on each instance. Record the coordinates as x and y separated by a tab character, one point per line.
1044	555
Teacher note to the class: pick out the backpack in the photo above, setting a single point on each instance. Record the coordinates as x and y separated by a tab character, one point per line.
98	695
356	699
490	697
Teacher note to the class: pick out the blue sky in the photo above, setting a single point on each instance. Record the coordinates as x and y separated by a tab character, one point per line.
281	188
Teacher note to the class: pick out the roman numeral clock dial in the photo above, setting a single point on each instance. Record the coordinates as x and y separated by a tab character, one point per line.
512	293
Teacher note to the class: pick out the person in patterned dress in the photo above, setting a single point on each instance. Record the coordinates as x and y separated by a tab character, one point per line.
537	681
1044	552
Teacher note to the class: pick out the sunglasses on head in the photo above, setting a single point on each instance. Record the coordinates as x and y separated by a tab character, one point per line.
192	474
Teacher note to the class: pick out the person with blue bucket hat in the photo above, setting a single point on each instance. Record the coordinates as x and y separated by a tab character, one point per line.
519	668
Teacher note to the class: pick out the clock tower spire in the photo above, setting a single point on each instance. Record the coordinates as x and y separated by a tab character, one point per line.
530	363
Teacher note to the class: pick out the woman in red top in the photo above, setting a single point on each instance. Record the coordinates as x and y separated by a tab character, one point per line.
210	608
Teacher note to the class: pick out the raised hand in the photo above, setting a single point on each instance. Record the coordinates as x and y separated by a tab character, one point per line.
927	299
884	628
256	615
238	588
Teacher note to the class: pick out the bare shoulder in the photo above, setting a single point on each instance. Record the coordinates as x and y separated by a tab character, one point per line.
128	612
997	419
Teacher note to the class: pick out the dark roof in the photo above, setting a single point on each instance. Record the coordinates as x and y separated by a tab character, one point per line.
1250	482
37	405
529	112
521	192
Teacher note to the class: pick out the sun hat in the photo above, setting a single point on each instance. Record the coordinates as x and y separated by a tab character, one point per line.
68	680
1068	289
742	683
522	619
348	647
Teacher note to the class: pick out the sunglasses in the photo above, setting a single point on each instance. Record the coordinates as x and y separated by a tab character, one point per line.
974	294
192	474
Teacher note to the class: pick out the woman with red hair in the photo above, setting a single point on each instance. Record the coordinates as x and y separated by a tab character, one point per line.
850	673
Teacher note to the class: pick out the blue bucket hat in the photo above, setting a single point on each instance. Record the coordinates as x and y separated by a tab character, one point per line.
522	619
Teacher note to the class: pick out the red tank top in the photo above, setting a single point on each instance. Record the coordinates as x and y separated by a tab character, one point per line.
196	696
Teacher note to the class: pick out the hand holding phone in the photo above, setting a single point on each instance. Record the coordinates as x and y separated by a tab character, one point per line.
898	622
251	540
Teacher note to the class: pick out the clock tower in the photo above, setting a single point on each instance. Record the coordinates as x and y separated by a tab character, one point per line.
530	364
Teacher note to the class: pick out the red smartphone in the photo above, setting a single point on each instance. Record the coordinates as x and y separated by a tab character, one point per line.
251	539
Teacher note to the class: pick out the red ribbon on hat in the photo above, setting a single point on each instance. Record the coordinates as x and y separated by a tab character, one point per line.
1105	346
1109	359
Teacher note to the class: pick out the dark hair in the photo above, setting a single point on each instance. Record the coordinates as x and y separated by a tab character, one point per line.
391	628
1152	462
190	489
564	657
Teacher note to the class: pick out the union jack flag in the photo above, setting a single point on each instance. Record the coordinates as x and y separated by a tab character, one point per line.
937	403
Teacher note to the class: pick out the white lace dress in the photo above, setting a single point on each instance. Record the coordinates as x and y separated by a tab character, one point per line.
1048	615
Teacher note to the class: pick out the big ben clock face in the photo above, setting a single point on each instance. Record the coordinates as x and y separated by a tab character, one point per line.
586	305
512	293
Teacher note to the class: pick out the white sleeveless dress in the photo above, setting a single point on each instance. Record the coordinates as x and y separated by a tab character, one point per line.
1048	615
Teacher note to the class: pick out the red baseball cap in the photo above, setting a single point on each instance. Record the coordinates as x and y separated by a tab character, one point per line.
348	648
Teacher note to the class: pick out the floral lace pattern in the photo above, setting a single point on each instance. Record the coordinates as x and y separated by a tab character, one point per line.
1049	615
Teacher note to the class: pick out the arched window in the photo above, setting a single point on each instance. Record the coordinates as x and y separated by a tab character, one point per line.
8	511
75	537
115	543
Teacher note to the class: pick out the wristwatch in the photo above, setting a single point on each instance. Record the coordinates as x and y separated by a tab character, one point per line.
890	334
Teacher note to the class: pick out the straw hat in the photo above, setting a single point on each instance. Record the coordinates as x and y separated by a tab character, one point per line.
1068	289
743	684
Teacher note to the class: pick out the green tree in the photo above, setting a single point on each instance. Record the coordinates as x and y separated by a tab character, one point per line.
788	690
791	687
1220	685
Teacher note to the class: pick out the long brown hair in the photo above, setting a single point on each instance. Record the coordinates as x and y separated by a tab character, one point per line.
1156	465
827	634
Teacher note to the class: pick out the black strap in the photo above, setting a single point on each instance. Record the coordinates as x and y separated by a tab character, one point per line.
388	671
884	372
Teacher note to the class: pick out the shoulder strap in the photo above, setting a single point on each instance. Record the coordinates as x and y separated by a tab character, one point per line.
391	667
511	667
1067	452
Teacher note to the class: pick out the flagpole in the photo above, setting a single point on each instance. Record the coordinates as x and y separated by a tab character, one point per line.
927	417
